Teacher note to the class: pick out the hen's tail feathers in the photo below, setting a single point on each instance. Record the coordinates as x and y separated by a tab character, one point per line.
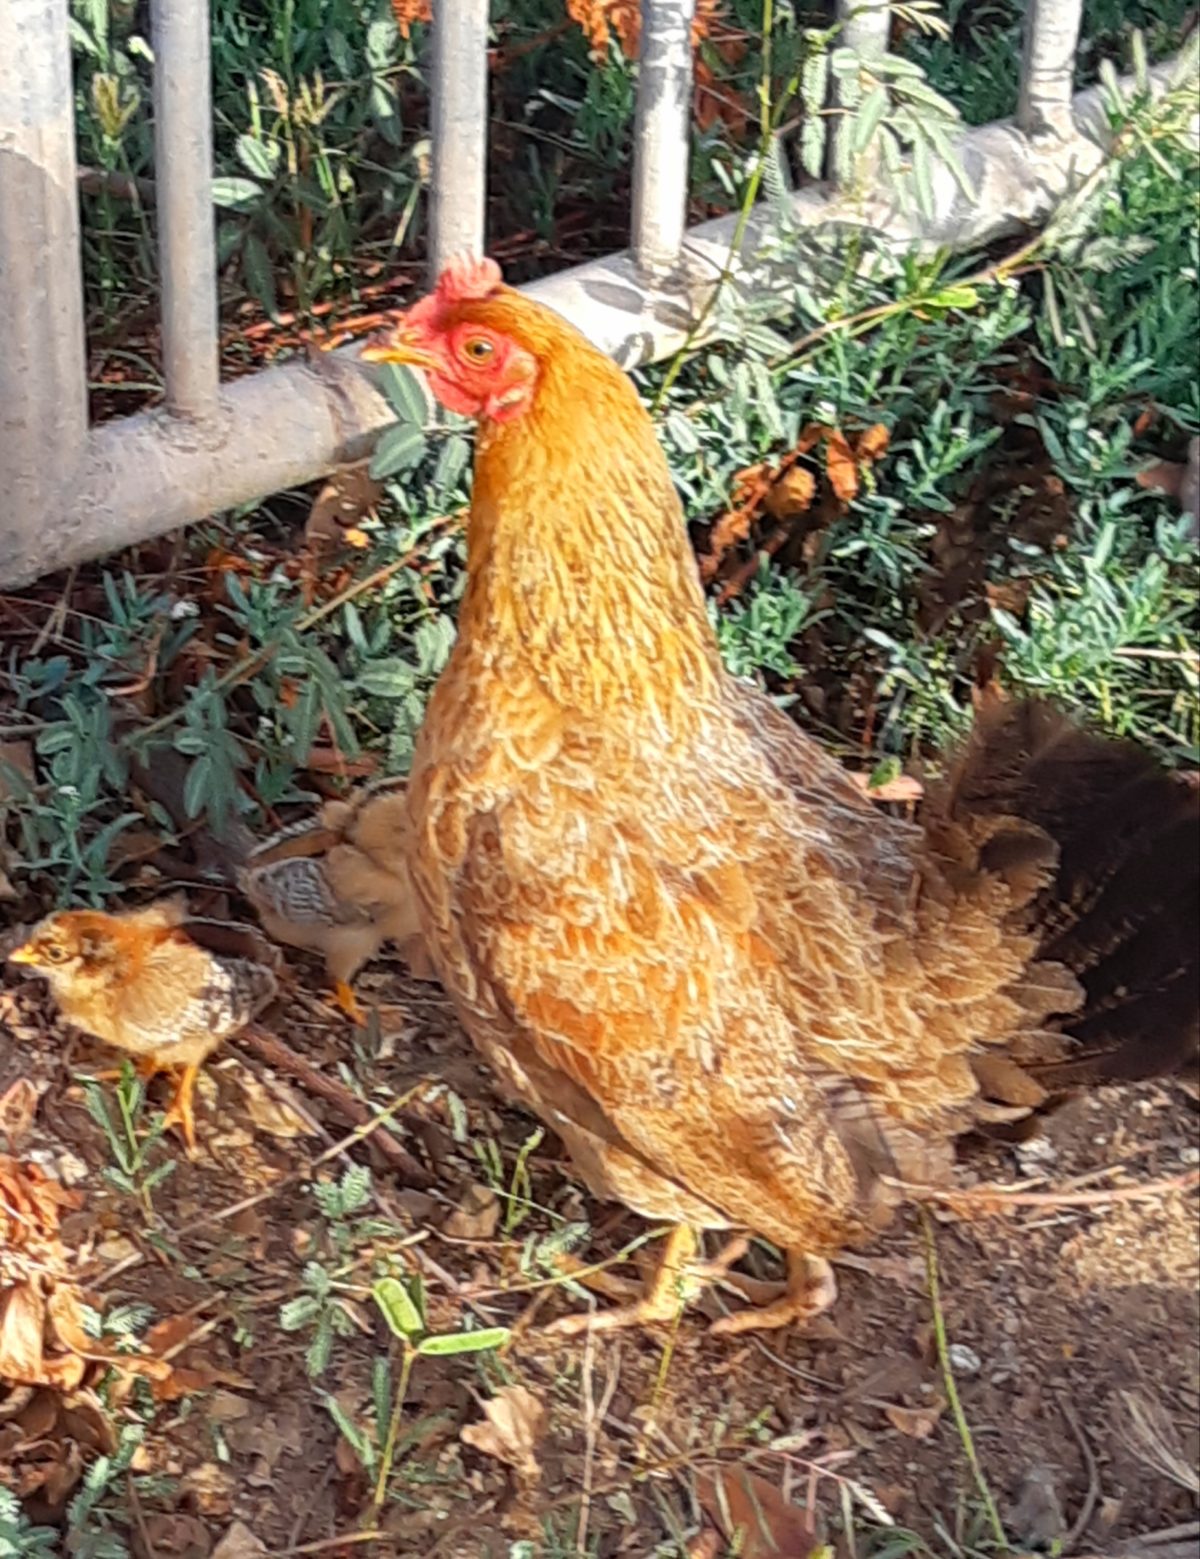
1121	910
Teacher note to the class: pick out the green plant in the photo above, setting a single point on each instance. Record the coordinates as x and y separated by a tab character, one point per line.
130	1140
402	1306
19	1538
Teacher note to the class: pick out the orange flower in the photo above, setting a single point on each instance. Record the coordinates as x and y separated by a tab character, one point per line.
407	12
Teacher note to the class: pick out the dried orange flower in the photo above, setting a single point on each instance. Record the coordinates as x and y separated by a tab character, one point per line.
407	12
601	20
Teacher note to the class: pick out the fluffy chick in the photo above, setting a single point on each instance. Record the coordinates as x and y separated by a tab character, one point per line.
338	886
139	982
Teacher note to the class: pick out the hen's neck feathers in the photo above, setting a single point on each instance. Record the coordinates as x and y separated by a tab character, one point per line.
580	574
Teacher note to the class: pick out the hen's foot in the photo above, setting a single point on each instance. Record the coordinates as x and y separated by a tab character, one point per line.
180	1112
810	1288
345	998
679	1278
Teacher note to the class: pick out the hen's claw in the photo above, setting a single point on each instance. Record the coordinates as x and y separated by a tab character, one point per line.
678	1279
810	1289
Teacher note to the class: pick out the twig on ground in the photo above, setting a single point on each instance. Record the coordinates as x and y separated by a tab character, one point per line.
272	1050
593	1416
305	1172
997	1198
952	1396
1087	1509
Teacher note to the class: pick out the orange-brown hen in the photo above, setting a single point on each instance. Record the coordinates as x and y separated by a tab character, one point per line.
141	983
743	997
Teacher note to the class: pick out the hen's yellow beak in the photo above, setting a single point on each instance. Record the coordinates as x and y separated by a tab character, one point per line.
397	346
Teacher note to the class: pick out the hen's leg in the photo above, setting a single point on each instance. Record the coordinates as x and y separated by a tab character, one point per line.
810	1289
677	1279
180	1113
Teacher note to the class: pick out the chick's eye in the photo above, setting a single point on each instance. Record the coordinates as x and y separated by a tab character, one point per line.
56	954
478	349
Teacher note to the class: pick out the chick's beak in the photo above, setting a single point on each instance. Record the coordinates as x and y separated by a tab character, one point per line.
397	345
23	955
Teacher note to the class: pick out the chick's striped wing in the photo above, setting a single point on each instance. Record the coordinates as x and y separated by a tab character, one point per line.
298	890
184	994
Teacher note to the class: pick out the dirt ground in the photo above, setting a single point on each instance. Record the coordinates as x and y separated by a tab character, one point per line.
1073	1329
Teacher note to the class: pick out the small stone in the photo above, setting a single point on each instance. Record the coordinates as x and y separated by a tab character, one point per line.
965	1360
1189	1155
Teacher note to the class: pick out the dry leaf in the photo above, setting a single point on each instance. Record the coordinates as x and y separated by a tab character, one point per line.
343	501
872	445
1164	476
18	1106
180	1535
918	1423
275	1110
754	1516
17	756
511	1430
792	494
476	1217
239	1542
902	788
841	466
705	1545
406	13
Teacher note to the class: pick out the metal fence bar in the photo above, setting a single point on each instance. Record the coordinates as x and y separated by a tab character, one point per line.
43	362
662	135
186	230
1048	67
458	130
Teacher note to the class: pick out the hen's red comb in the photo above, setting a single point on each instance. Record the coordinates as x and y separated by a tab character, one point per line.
467	280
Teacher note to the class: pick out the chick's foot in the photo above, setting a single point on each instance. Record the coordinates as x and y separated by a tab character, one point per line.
345	998
180	1112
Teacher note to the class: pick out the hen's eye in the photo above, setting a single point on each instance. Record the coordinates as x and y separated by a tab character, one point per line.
478	349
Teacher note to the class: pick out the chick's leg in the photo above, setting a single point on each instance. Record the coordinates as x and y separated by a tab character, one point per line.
677	1279
810	1289
345	998
180	1112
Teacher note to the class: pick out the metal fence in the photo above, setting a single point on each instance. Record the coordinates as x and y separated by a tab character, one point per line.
71	492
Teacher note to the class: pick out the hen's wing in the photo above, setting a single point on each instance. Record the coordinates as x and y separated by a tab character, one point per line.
647	951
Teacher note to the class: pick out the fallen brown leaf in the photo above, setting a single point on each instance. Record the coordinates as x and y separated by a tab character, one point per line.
476	1217
903	788
872	445
346	498
841	465
18	1106
275	1110
239	1542
918	1423
513	1423
754	1516
791	495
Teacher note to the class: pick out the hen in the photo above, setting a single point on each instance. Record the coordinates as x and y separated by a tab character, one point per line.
338	886
742	997
141	982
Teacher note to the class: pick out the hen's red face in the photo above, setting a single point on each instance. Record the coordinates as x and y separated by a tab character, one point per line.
472	368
